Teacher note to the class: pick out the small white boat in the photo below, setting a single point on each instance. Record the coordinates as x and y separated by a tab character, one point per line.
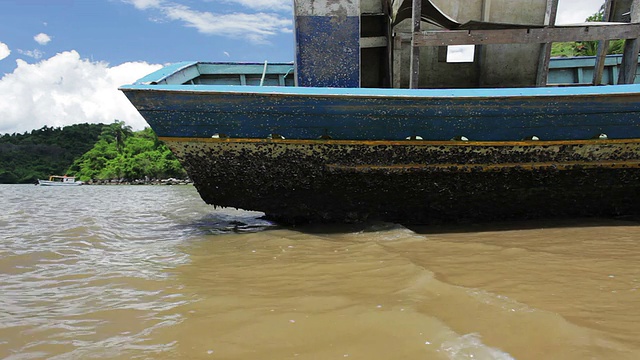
56	180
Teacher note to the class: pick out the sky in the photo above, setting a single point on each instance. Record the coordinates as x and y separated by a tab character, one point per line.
61	61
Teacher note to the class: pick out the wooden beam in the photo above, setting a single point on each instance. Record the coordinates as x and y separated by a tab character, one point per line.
373	42
631	49
597	31
545	49
415	50
603	47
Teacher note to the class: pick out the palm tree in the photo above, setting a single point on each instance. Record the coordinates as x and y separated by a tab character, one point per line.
117	132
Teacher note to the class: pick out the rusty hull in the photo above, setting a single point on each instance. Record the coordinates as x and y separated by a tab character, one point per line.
420	182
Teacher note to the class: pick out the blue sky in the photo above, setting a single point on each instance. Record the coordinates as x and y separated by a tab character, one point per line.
61	61
155	31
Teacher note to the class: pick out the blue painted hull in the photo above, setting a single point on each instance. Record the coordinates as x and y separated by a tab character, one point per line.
574	113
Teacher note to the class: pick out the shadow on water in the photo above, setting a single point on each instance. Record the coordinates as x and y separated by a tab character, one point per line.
220	224
342	228
459	227
247	222
229	222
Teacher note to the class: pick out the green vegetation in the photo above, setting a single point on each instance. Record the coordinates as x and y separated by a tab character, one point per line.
123	154
88	151
586	48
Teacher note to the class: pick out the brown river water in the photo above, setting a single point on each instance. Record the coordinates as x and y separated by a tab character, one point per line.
151	272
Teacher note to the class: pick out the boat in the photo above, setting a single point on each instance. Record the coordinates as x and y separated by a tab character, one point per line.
57	180
356	130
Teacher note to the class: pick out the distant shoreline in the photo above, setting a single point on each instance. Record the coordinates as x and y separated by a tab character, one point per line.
170	181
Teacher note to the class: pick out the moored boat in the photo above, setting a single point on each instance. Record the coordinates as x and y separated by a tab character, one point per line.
56	180
327	151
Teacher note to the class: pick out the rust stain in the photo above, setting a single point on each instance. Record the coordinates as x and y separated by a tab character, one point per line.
493	167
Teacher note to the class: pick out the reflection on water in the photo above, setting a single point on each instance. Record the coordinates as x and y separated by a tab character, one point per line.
152	272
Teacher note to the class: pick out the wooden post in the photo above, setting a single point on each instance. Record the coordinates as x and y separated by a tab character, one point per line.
631	49
545	49
415	50
397	61
386	9
603	47
481	50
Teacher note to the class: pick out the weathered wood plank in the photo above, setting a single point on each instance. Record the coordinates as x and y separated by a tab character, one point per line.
397	61
628	68
631	49
481	51
591	32
545	49
386	7
415	49
603	47
373	42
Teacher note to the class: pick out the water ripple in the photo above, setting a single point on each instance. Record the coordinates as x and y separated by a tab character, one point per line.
87	270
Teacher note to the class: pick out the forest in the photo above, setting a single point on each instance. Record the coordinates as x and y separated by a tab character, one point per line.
87	151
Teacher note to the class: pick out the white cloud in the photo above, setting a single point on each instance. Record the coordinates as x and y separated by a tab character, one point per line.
574	12
4	50
36	54
42	39
145	4
277	5
255	27
66	89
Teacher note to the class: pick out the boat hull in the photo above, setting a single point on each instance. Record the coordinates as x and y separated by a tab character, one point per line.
296	181
330	154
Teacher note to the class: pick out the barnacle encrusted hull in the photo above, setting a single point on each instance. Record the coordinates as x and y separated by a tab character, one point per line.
296	181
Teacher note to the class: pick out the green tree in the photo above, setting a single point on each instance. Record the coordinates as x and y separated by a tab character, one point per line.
587	48
118	132
140	155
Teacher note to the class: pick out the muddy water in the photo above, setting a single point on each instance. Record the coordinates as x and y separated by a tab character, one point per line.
153	273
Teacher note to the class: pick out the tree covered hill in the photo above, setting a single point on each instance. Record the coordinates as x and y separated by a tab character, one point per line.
43	152
88	151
